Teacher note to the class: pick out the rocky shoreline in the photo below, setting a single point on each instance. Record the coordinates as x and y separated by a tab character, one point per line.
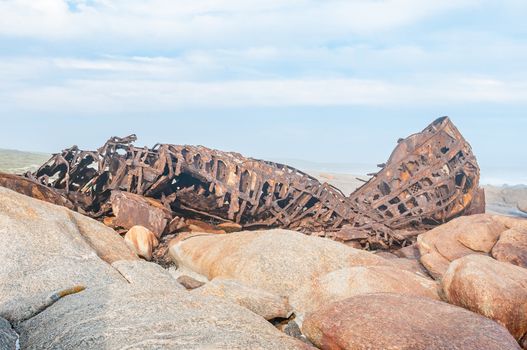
70	282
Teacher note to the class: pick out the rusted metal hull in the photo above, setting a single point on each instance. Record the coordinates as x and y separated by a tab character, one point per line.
430	178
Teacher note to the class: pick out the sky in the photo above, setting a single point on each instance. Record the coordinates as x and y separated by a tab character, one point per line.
325	81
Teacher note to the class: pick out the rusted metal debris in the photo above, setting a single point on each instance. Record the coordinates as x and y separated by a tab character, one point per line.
32	189
431	177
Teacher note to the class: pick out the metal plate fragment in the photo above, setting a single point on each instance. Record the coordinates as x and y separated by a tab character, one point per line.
131	209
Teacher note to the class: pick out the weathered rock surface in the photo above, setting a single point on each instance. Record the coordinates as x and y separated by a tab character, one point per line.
394	321
108	245
344	283
478	233
435	264
189	283
131	303
512	222
278	261
494	289
49	254
512	247
475	234
121	317
46	248
8	337
522	205
260	302
142	241
411	265
409	252
147	274
386	255
181	274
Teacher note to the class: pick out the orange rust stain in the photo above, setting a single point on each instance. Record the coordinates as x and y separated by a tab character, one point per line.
405	176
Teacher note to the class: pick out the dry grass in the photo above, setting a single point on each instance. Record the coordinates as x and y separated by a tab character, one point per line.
19	162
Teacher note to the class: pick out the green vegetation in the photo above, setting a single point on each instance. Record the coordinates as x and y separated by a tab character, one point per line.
19	162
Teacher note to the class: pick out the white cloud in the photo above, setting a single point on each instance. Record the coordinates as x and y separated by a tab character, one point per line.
247	53
89	96
211	22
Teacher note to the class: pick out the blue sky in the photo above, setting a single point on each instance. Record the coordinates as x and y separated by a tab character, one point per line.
328	81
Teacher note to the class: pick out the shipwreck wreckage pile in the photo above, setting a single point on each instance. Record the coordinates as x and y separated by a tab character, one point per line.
430	178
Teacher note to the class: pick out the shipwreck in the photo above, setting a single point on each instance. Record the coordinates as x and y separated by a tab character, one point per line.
431	177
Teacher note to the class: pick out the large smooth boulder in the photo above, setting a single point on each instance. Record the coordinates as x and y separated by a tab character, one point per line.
46	248
279	261
494	289
397	322
512	247
466	235
8	337
259	301
119	317
344	283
